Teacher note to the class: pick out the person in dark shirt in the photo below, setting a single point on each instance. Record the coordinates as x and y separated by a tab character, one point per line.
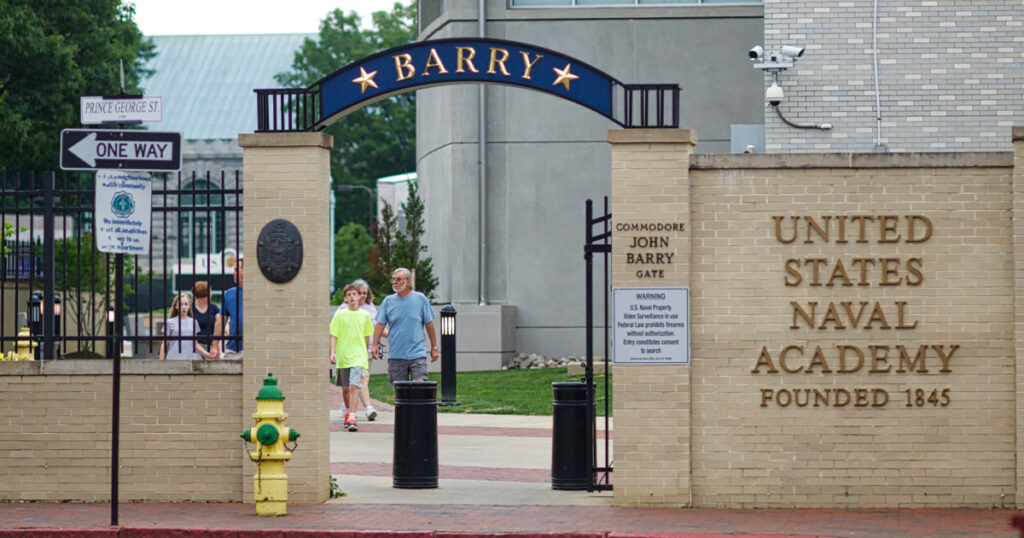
205	313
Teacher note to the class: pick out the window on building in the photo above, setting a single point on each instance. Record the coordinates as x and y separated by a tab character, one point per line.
651	3
200	223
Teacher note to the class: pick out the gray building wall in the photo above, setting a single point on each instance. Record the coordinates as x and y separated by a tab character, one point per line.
546	156
950	74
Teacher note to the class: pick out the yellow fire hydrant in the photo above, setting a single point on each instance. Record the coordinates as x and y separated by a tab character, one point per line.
26	348
270	484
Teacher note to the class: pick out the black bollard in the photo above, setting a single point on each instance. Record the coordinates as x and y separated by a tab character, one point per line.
570	446
415	453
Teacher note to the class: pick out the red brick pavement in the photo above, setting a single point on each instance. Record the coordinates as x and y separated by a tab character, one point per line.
187	520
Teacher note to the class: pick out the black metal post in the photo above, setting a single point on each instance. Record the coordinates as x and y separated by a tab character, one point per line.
448	368
589	369
49	258
115	429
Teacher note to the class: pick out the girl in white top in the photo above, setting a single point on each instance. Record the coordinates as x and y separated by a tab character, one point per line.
181	323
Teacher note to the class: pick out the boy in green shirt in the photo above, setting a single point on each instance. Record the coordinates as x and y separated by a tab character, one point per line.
351	329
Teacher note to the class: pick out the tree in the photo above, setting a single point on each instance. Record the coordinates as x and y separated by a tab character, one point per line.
394	248
352	245
51	53
84	271
380	139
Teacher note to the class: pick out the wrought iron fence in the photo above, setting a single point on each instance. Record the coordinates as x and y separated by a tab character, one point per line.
58	287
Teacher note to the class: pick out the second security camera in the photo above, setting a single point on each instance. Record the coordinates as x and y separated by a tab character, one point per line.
791	51
756	53
774	94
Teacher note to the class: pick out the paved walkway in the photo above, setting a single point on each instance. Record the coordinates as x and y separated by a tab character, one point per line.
494	479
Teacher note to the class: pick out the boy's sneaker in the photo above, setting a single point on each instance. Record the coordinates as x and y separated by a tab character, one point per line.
371	413
351	426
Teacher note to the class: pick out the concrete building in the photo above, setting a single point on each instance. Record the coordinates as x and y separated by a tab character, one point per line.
887	76
544	156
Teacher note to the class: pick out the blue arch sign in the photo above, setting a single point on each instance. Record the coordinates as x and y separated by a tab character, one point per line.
447	61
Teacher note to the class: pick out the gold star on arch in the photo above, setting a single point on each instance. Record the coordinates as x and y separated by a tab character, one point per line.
365	79
564	76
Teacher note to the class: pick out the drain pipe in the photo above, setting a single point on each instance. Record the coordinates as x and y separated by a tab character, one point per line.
879	148
482	175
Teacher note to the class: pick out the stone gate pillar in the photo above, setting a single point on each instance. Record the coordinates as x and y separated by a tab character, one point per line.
651	184
288	176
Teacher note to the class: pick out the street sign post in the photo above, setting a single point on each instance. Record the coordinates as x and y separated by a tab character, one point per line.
96	149
98	109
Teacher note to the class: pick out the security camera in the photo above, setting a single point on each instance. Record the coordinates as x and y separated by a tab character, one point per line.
756	53
791	51
774	95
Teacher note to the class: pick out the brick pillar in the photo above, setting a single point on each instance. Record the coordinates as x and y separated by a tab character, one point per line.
1018	301
288	176
650	184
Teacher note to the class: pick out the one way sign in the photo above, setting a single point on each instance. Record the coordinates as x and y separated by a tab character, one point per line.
104	149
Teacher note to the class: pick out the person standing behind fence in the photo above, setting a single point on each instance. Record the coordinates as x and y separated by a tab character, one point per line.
231	315
406	313
206	316
180	323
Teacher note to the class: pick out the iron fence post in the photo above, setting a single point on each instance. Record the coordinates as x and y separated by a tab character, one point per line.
49	259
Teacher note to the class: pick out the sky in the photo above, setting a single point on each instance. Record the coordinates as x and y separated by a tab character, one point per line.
184	17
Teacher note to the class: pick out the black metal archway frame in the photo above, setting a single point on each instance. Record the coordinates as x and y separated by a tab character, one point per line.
319	105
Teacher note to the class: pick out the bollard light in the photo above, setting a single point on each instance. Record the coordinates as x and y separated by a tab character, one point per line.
35	319
56	325
110	331
448	356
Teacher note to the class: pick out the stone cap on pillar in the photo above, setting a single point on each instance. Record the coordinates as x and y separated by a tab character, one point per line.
652	136
296	139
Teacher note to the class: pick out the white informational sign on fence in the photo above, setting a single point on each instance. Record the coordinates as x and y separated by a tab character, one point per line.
651	325
124	204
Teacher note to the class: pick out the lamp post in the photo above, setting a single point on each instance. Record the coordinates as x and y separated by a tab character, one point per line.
35	319
56	325
448	356
369	192
110	331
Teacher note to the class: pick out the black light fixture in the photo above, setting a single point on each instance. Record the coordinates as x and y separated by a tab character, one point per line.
35	319
110	331
448	356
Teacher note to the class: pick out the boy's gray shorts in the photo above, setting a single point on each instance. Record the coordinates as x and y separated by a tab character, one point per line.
350	376
407	369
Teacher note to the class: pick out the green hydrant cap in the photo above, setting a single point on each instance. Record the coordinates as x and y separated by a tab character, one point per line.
267	434
270	390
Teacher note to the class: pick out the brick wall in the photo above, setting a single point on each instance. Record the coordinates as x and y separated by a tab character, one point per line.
179	429
711	434
950	74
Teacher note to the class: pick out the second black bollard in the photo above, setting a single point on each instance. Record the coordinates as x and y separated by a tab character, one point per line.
571	444
415	452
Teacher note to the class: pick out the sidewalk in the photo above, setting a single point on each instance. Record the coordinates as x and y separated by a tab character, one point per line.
494	479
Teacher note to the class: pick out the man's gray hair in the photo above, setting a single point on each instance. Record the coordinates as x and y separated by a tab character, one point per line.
405	272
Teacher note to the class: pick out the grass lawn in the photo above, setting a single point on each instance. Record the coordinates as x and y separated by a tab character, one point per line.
500	392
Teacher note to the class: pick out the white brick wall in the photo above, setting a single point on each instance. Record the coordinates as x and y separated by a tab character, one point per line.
951	74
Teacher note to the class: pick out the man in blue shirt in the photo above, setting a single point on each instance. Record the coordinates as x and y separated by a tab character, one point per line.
405	313
232	314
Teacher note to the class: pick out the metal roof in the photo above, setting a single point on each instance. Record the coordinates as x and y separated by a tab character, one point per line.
207	81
